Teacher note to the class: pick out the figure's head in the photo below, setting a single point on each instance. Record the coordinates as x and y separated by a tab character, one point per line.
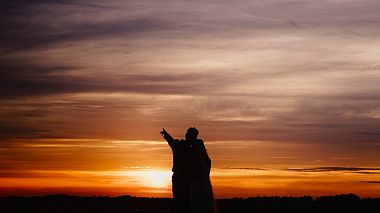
191	134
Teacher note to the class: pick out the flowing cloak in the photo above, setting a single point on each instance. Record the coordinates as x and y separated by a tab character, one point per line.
201	194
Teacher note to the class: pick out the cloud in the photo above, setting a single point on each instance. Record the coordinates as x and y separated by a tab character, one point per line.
9	131
244	168
28	25
371	182
334	169
9	4
266	71
25	78
367	173
42	39
33	174
368	133
34	31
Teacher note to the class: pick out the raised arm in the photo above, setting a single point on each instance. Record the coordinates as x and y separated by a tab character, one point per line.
167	137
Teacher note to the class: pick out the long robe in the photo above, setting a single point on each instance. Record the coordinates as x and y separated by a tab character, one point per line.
201	194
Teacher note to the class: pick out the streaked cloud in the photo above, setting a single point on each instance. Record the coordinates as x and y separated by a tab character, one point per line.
371	182
335	169
243	168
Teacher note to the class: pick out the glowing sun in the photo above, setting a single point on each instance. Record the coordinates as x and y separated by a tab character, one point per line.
156	178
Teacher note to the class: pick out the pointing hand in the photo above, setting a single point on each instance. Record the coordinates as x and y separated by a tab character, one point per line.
163	132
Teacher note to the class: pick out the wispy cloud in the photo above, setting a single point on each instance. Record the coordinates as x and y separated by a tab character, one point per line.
371	182
368	133
40	39
25	78
334	169
367	173
244	168
8	131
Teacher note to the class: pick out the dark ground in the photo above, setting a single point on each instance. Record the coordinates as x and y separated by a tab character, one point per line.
128	204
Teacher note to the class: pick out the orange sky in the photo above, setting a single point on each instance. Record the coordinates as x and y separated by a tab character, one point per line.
285	95
142	168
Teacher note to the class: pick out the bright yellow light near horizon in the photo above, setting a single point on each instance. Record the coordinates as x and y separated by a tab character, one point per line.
145	177
156	178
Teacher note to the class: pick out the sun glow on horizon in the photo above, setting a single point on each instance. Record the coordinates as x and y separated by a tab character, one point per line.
144	177
156	178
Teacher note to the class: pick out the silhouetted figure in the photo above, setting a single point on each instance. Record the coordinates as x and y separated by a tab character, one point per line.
191	186
181	150
201	194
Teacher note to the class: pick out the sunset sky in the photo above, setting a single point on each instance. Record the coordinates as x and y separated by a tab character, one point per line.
285	93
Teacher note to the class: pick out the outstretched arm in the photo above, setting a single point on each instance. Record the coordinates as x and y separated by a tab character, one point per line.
167	137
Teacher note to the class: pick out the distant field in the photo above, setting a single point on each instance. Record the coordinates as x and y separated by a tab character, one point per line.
128	204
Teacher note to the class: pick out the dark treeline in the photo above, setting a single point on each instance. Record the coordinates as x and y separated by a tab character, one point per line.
128	204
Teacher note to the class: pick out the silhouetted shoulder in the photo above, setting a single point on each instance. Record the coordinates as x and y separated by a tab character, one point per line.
200	141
